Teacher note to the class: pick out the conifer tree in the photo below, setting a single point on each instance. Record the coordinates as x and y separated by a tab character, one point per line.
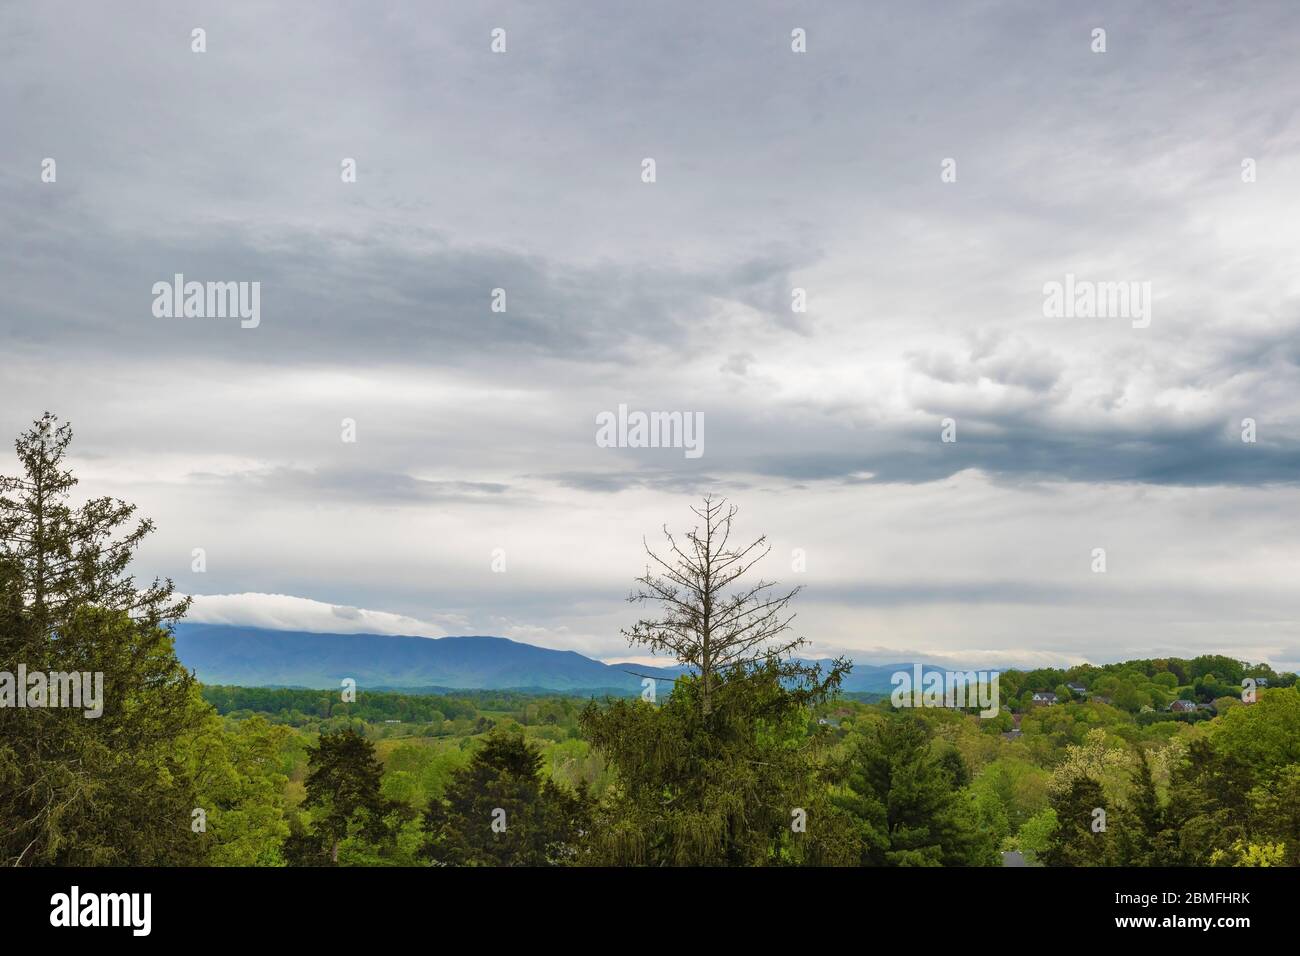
77	789
343	786
906	800
500	811
1079	838
1142	819
67	558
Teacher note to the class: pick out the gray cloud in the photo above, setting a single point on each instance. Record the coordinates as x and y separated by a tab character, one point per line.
376	487
775	171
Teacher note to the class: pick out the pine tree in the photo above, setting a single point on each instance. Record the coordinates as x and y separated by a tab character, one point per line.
741	787
500	811
106	789
1079	839
1142	819
67	558
725	773
343	786
907	802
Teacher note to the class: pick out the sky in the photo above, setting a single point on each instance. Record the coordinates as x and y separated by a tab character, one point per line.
923	172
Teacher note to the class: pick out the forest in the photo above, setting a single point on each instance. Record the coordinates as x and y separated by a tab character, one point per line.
755	758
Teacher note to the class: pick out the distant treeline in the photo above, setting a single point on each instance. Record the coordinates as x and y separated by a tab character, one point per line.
298	707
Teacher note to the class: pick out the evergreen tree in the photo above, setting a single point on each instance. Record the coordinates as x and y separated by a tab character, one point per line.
1209	803
742	786
67	558
1140	830
725	772
79	790
343	787
500	811
906	801
1276	811
1079	839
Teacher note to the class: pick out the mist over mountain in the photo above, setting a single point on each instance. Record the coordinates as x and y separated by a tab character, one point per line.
261	657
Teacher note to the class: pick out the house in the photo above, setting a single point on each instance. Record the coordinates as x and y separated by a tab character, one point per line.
1012	734
1182	707
1044	697
1078	689
1261	681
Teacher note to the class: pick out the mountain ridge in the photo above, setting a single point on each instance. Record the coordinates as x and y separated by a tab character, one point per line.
265	657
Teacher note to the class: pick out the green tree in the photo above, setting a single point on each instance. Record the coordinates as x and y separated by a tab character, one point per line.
1078	839
1276	812
907	802
1209	803
1265	734
1035	835
742	786
1140	837
66	558
236	767
78	790
343	787
500	811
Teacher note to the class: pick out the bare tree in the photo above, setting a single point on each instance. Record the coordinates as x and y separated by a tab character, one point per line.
707	621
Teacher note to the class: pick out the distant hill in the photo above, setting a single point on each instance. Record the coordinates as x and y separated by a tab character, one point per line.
260	657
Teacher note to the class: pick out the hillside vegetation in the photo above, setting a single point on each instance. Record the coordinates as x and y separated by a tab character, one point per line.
756	758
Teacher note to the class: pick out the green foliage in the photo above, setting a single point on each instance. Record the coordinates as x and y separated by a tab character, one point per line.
1077	839
78	790
500	811
723	788
1266	734
240	784
343	788
906	801
1036	834
1140	834
762	765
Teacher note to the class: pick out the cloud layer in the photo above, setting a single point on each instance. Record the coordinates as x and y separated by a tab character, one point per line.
776	171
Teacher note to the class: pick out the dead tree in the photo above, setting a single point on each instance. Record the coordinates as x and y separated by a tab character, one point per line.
708	621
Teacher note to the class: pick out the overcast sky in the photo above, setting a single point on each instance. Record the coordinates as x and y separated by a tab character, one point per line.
775	170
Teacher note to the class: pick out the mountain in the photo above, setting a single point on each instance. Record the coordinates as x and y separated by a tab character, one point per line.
260	657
